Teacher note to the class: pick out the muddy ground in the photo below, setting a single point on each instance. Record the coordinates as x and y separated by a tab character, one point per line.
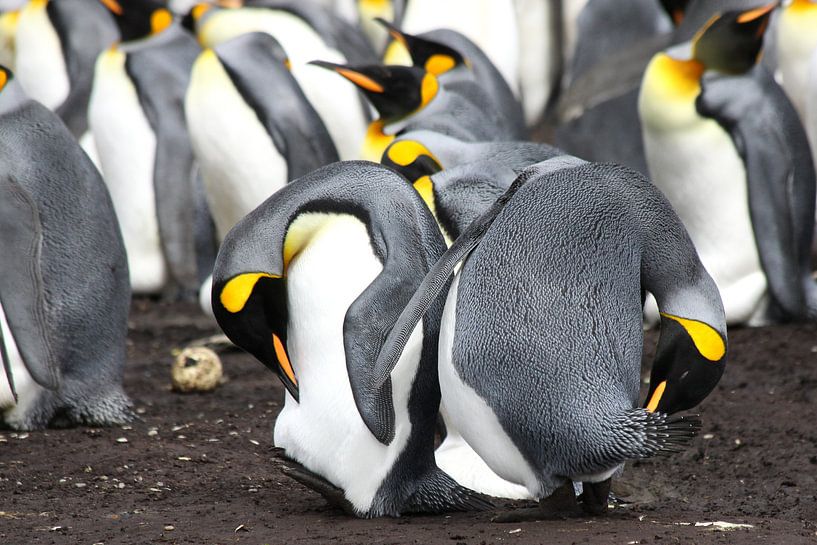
199	468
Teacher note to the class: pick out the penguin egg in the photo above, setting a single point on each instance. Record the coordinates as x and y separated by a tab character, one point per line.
196	369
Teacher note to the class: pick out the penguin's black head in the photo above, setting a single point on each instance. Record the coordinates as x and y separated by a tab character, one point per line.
411	159
251	309
139	18
394	91
676	9
433	57
731	42
192	17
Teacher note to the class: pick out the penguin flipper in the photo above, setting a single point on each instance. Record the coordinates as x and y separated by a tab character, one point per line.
780	180
4	357
23	293
333	495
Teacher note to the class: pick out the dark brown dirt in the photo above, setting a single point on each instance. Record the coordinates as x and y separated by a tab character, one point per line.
199	468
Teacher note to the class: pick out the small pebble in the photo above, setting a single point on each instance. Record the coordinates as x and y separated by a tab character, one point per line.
122	440
169	527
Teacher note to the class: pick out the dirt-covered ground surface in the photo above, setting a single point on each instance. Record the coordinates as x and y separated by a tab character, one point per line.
199	468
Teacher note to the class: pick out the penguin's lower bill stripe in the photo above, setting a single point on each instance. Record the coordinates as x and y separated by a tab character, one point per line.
656	396
283	359
708	341
236	292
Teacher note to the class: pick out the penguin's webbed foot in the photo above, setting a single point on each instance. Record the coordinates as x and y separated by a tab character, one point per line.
333	495
594	496
561	504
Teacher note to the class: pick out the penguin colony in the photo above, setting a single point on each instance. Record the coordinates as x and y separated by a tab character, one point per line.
349	188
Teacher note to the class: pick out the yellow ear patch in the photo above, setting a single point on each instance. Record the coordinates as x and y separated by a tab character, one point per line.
428	89
238	290
199	10
4	78
673	79
406	152
440	64
708	341
656	396
283	359
376	141
113	5
160	20
361	80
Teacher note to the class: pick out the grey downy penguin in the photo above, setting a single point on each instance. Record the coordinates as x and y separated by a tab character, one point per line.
541	335
64	292
56	45
136	112
725	145
409	98
451	57
309	283
337	101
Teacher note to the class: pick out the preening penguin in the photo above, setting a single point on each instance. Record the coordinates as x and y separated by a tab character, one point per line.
541	335
309	283
251	126
336	101
725	145
64	293
57	43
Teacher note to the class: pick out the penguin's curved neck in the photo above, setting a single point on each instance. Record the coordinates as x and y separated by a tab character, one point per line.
376	141
669	90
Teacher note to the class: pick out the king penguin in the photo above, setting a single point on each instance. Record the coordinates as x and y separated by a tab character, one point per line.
64	292
336	101
309	283
452	57
56	46
725	145
136	113
541	336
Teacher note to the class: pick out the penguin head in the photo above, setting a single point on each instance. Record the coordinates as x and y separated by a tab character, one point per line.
394	91
729	42
411	159
434	57
139	18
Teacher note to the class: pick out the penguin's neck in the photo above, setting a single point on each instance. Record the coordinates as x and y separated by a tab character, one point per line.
668	92
376	141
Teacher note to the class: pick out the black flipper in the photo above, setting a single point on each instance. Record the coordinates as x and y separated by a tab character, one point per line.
21	237
333	495
780	177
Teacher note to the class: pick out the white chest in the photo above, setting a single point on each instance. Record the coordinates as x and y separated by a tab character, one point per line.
25	386
40	65
239	162
126	148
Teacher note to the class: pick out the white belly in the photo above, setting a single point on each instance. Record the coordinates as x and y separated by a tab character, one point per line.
126	148
699	170
810	120
324	431
491	24
39	62
239	162
335	99
475	420
796	42
27	389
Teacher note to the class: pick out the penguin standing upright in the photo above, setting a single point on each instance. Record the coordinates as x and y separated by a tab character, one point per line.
336	101
541	335
796	45
309	283
56	46
251	126
724	144
136	113
64	293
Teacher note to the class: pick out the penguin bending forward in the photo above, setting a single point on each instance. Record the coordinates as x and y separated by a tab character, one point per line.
541	335
64	292
725	145
309	283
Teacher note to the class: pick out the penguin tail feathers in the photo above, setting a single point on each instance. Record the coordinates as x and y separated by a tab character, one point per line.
639	433
439	493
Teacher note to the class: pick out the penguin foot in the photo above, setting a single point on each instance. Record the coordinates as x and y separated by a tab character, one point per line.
561	504
333	495
593	499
